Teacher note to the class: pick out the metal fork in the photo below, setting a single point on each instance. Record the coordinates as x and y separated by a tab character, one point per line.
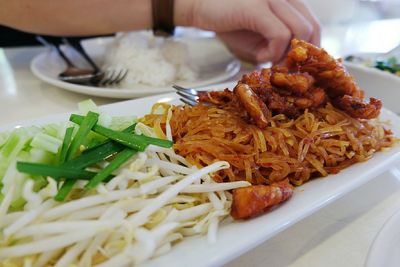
109	77
112	77
188	96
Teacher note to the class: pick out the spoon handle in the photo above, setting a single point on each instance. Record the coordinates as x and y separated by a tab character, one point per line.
54	45
76	44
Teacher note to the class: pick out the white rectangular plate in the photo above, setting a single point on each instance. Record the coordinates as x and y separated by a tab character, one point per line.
236	238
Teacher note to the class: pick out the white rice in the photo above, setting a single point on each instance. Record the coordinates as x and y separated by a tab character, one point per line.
150	60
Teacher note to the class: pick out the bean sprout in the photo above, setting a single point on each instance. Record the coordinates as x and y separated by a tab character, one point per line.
155	200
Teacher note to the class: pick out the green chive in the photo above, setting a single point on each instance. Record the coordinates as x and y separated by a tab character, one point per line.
56	172
65	144
86	125
137	142
129	129
119	159
97	153
64	190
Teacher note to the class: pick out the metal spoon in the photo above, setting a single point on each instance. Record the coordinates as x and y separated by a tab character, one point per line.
72	74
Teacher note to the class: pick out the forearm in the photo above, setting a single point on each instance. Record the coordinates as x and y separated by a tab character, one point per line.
85	17
76	17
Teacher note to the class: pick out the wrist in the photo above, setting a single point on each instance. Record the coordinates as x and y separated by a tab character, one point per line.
183	12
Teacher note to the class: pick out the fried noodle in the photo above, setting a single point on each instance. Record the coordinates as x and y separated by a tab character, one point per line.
319	142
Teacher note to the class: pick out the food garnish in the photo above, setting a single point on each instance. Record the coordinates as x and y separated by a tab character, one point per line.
102	195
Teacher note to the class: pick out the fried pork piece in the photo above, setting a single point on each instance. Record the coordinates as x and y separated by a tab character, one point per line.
258	79
255	200
311	78
330	74
261	97
284	92
314	98
297	83
357	108
281	104
254	106
216	98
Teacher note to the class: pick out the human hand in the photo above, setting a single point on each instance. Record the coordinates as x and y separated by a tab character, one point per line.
256	30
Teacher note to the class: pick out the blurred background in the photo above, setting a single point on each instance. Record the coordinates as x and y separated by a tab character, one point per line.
350	11
349	26
354	26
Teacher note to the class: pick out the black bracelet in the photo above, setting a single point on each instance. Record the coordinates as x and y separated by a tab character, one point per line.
163	17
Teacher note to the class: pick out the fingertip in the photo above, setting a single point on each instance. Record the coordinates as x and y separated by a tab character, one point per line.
316	39
311	18
263	57
268	54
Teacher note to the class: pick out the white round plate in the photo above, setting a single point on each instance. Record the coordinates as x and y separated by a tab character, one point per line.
385	250
207	55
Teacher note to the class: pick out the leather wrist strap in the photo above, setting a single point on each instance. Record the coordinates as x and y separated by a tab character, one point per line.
163	17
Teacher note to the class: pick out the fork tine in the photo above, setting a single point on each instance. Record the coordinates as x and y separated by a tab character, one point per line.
177	87
188	101
113	77
117	77
108	77
105	78
185	90
122	76
188	96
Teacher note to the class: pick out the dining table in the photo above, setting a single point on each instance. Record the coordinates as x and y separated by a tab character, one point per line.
339	234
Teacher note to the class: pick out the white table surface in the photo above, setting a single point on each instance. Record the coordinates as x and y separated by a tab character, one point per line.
338	235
